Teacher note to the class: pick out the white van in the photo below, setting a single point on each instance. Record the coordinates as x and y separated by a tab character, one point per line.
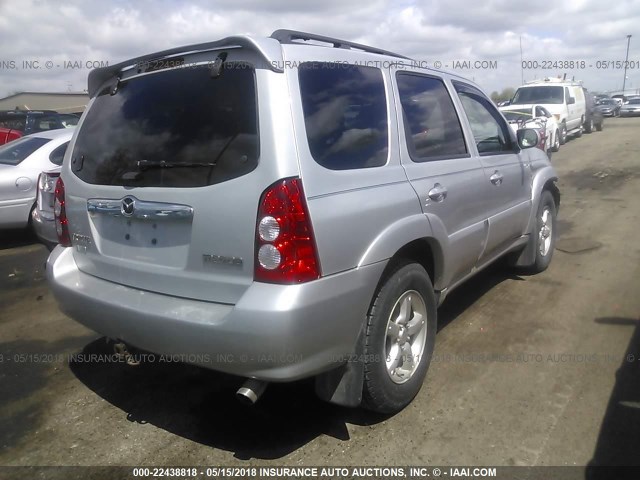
564	99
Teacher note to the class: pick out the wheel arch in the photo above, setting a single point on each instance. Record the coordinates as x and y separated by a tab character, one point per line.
411	238
542	183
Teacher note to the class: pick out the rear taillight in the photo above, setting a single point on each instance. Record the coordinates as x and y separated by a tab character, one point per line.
543	140
285	244
62	223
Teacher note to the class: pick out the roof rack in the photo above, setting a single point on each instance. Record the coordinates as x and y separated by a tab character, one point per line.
289	36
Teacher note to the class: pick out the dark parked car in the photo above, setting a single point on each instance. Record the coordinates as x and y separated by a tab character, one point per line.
608	107
16	123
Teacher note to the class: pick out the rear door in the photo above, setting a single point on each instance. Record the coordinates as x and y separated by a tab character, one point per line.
164	178
448	179
507	183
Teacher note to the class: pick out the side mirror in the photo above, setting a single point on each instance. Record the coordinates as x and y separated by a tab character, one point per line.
571	101
528	137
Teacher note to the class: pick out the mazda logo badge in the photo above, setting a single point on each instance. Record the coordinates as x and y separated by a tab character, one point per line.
128	206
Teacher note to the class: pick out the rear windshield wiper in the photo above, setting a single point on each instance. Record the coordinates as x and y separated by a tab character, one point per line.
149	164
144	165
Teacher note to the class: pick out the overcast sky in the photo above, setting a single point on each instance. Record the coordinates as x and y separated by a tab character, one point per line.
434	30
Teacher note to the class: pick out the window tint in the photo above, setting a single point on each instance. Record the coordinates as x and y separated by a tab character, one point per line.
489	130
549	94
14	122
173	128
68	120
15	152
58	154
42	124
431	124
345	114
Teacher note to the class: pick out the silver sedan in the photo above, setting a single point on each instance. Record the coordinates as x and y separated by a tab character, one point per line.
21	162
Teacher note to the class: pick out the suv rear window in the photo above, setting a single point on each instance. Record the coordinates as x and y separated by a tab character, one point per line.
15	152
175	128
345	114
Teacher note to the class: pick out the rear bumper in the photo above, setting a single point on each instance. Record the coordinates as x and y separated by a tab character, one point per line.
44	227
274	332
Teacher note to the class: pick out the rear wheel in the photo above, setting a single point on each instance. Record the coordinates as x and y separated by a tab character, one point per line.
563	133
589	127
545	232
401	328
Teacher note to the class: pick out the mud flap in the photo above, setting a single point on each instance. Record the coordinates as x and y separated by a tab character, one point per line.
525	257
343	385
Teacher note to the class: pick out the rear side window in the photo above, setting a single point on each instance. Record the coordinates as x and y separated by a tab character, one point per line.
431	124
15	152
57	155
172	128
345	114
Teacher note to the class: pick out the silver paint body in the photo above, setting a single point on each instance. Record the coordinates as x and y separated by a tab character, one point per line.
19	183
166	298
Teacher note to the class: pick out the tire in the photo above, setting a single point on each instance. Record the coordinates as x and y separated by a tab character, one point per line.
406	296
600	125
545	241
589	127
563	134
556	141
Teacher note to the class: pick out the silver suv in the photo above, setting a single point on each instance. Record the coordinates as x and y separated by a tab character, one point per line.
280	210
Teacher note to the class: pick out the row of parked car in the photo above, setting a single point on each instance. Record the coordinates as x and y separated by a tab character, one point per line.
15	124
618	105
29	163
560	108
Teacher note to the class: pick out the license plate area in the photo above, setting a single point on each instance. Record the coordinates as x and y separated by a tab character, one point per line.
148	232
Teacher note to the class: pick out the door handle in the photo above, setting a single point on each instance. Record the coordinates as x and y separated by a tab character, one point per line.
438	193
496	178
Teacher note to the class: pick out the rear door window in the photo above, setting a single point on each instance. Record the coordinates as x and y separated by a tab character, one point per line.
432	127
171	128
345	114
15	152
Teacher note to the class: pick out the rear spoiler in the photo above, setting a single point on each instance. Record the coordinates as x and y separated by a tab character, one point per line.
268	49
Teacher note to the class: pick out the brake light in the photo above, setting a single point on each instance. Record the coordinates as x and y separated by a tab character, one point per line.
62	223
543	140
285	245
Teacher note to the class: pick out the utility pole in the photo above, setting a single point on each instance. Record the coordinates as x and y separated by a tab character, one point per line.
521	62
626	60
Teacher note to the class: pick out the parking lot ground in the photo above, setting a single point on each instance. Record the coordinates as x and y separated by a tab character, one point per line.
528	370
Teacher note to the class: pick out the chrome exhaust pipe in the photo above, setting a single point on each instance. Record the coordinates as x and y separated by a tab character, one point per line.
251	391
